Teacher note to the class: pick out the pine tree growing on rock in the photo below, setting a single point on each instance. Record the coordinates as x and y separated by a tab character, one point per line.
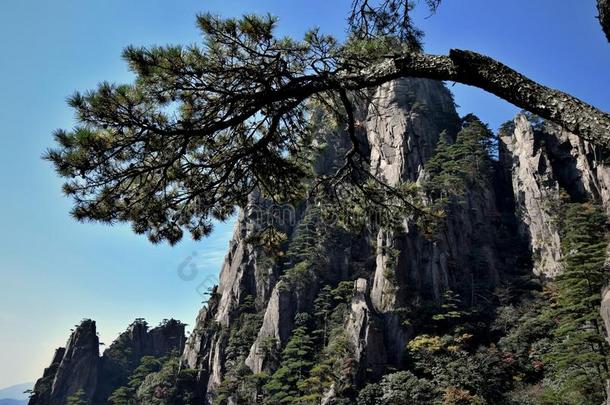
78	398
203	126
579	357
297	359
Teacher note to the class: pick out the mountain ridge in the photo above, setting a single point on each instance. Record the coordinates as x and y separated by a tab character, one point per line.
332	315
15	391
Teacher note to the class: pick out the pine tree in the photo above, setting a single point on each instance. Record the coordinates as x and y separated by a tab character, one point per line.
297	360
201	126
579	356
126	395
457	166
78	398
313	233
323	307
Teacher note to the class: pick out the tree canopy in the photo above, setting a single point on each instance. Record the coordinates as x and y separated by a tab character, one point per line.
201	127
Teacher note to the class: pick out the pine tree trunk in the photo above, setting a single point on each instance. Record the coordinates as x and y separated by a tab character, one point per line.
481	71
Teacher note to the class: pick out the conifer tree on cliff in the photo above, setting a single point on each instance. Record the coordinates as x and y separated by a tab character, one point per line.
203	126
579	355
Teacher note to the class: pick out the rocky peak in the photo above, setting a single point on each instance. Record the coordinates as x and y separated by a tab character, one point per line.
405	120
135	337
79	366
168	336
73	368
138	340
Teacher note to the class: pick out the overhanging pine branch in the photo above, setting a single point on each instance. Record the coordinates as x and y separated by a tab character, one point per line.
477	70
464	67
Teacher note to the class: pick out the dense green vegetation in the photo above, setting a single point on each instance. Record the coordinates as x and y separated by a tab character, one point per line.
528	341
315	356
157	381
118	363
287	384
579	355
78	398
540	346
460	165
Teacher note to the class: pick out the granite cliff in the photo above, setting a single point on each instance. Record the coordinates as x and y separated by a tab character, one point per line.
501	229
357	307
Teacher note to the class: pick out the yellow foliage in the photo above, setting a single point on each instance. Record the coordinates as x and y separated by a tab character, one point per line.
458	396
463	338
427	343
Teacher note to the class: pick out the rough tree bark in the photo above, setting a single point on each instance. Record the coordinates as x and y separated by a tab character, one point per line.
488	74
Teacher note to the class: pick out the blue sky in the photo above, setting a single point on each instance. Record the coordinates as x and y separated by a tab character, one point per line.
54	271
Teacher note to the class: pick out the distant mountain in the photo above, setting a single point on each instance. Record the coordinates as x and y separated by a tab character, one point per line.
15	392
13	401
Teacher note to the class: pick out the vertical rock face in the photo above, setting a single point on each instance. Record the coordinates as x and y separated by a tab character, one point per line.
277	325
581	167
244	274
44	385
198	349
168	336
405	121
72	369
536	191
287	299
194	342
544	161
364	330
